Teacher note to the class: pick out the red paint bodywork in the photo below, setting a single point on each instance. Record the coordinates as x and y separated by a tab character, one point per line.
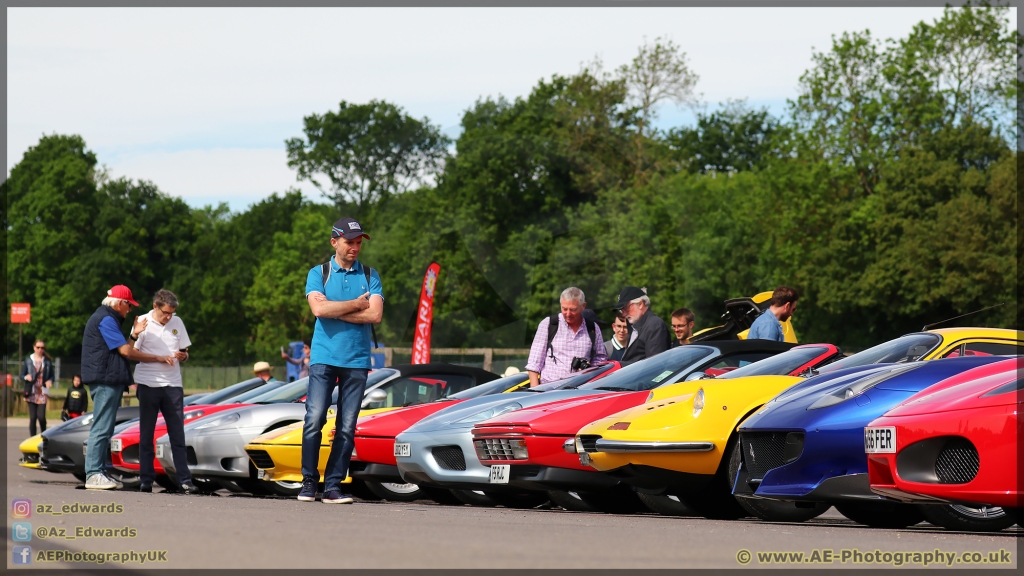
958	406
545	428
130	436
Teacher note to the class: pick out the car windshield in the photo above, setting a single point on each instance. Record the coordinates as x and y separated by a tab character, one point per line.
258	392
232	391
493	387
903	349
778	365
574	381
653	371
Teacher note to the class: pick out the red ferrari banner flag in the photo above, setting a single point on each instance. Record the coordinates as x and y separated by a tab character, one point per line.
425	316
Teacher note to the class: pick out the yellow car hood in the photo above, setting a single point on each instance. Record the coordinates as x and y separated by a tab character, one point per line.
292	433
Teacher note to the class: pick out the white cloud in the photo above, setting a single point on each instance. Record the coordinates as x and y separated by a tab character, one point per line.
152	90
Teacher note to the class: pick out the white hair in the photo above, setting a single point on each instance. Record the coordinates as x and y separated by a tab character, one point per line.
111	301
573	294
645	299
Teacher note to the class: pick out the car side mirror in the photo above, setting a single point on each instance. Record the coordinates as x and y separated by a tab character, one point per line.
375	396
695	376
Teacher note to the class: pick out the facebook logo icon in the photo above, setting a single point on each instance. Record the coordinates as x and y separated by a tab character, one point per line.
22	555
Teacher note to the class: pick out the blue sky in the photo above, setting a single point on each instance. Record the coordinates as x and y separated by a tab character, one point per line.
200	101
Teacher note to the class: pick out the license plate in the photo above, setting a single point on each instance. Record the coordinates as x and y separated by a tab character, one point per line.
260	473
500	473
85	449
159	450
880	440
403	449
115	445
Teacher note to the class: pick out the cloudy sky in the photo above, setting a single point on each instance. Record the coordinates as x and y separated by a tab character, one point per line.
200	101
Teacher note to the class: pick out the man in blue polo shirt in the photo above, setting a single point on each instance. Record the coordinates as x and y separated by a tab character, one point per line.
345	304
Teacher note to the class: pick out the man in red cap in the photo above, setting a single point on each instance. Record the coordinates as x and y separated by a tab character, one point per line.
105	355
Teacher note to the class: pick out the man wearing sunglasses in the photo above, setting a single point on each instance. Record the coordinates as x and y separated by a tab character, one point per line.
105	356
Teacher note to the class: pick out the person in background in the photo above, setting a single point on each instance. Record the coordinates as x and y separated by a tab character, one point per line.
262	370
574	335
160	389
37	372
302	363
682	326
652	336
105	356
768	326
76	402
620	338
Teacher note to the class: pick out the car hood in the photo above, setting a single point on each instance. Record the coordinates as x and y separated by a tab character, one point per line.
964	391
391	424
254	415
567	416
455	417
793	409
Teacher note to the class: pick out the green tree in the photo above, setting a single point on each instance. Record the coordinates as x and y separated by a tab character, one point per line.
732	139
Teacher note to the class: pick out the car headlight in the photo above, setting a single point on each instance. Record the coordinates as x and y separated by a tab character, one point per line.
698	402
859	387
220	422
491	413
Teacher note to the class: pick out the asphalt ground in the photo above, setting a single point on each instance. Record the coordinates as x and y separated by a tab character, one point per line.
228	530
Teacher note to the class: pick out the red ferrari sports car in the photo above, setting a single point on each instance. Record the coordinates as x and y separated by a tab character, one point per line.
373	460
954	443
544	430
124	447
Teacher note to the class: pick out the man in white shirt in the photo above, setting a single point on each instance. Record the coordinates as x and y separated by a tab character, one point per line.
159	388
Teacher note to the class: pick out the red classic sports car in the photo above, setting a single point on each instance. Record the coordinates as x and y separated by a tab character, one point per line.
373	460
954	443
124	447
536	437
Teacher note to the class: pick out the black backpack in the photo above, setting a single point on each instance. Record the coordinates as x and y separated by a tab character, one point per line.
553	329
325	273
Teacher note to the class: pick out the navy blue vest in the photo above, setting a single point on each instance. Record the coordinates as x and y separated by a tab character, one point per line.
100	365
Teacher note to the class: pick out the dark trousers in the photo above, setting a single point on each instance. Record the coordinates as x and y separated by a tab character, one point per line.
36	412
167	400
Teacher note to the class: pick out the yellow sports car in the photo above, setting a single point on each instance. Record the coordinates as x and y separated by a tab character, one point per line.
277	455
677	442
739	315
30	452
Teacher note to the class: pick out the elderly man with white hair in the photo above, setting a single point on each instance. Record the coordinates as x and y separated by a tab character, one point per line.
651	335
561	337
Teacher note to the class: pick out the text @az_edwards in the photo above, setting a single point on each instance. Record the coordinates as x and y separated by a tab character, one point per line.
855	556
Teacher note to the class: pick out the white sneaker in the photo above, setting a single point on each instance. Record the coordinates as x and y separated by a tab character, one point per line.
99	482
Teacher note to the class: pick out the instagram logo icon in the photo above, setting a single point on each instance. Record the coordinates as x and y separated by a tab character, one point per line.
21	508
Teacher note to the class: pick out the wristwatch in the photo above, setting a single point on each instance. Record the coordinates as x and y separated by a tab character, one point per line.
132	336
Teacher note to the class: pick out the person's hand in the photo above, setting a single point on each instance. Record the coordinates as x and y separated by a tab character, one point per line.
318	296
181	355
363	301
28	378
166	359
283	355
139	325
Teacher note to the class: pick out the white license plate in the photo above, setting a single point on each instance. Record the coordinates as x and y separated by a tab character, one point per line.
85	449
159	450
500	473
260	473
115	445
402	449
880	440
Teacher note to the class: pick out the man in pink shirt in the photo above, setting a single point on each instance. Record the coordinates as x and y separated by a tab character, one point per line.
575	337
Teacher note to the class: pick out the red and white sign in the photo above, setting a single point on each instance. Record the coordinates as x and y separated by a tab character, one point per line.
21	313
425	316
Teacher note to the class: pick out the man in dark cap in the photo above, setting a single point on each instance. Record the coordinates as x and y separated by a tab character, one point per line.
346	299
652	335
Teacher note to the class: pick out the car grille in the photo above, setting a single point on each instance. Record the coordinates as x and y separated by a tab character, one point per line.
957	463
260	458
130	454
190	456
589	442
764	451
30	458
449	457
495	449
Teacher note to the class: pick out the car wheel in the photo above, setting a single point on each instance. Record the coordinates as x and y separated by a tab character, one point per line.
617	500
282	488
396	492
773	510
881	514
570	501
474	498
520	500
715	501
969	518
666	504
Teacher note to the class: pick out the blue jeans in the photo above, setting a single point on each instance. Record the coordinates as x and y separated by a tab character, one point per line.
351	383
105	399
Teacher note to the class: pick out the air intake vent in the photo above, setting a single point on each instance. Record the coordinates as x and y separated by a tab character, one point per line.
449	457
260	459
957	463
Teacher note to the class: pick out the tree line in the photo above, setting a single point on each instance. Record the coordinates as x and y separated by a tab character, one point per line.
886	193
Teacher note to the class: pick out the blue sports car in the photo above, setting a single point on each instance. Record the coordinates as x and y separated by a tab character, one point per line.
807	444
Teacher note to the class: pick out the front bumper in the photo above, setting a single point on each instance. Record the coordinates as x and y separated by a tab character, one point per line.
283	462
423	467
217	453
63	453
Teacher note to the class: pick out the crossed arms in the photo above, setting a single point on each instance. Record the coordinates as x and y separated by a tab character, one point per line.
366	309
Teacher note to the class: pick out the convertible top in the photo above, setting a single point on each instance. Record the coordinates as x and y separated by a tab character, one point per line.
733	346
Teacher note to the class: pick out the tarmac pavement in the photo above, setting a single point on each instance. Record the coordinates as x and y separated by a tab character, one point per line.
228	530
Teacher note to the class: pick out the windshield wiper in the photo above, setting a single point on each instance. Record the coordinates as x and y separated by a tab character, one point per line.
614	388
